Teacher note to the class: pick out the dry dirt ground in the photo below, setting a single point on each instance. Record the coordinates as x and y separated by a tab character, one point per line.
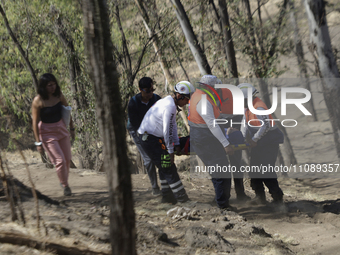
308	223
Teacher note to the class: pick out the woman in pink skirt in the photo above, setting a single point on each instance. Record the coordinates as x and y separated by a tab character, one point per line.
50	131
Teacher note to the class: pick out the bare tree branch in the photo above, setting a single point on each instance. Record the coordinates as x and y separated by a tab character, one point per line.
28	64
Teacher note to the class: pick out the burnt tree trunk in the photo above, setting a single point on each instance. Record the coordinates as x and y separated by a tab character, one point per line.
105	77
191	38
227	38
321	43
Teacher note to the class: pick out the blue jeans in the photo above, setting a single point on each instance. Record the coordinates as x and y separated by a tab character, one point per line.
150	167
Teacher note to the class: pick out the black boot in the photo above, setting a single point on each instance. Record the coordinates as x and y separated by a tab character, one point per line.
169	198
243	197
278	197
260	199
184	198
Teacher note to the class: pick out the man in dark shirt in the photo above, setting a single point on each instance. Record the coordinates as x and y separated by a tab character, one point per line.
137	108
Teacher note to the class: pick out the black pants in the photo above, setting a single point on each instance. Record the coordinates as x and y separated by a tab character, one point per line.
265	155
169	178
235	160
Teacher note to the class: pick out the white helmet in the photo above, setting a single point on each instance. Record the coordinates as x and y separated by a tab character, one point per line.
244	87
184	88
210	80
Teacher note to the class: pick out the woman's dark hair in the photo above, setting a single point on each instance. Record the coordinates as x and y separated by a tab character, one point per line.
145	83
43	81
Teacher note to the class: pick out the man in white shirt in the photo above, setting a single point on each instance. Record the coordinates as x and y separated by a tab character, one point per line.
159	139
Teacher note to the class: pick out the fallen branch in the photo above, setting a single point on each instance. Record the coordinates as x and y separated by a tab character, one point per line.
21	239
317	132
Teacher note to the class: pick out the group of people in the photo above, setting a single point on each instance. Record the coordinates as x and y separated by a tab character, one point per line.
152	125
153	128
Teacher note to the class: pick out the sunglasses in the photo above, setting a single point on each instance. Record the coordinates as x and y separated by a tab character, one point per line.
148	90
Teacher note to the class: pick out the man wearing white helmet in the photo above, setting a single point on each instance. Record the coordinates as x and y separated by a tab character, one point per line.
265	136
208	141
159	138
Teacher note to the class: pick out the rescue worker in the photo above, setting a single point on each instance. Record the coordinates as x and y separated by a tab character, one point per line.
208	141
137	108
159	138
264	137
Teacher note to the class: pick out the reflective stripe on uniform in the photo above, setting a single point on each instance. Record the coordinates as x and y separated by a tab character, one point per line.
175	184
178	189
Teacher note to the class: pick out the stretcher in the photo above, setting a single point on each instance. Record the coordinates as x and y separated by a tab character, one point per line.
235	137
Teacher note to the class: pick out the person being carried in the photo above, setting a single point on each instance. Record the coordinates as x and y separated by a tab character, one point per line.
137	108
264	138
235	159
159	138
50	131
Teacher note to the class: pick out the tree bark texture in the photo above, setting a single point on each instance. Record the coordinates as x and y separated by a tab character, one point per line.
191	38
110	116
227	38
321	41
161	59
301	58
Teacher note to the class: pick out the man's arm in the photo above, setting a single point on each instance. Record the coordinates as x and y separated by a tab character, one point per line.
265	127
209	120
216	131
169	121
133	114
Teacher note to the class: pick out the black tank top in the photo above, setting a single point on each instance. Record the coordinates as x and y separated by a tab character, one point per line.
51	114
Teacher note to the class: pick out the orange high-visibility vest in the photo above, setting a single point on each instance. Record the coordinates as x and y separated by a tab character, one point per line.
195	98
227	101
257	103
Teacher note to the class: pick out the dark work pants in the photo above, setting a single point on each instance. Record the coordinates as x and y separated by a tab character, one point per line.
212	153
265	155
158	153
150	167
235	160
